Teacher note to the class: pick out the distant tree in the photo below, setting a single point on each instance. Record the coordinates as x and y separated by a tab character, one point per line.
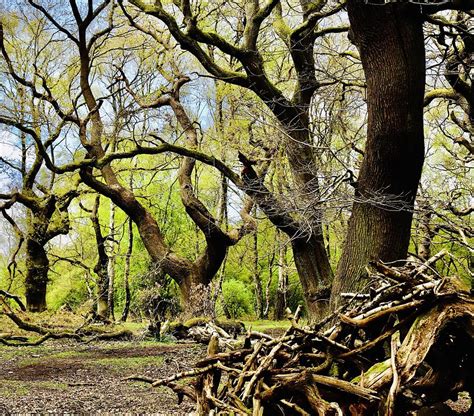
45	197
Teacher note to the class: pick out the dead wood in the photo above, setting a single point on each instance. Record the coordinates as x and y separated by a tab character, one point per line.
382	354
81	334
13	297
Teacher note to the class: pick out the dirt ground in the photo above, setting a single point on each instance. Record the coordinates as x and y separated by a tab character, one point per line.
67	377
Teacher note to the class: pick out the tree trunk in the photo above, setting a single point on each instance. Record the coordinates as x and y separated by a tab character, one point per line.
111	265
280	304
101	267
126	272
391	45
314	274
37	266
268	285
196	297
309	251
425	230
257	280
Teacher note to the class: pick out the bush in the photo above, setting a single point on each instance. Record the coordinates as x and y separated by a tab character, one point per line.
67	289
237	299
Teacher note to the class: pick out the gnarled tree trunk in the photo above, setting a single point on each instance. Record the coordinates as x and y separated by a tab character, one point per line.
314	273
391	45
37	266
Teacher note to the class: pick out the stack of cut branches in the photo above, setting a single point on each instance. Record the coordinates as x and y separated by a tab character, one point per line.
408	344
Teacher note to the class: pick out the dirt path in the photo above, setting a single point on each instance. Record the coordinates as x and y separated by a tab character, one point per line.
66	377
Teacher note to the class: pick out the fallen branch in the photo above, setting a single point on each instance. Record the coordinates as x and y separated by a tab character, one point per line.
345	369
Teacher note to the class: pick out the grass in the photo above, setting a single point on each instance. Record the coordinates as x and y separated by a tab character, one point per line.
127	363
18	388
87	357
14	388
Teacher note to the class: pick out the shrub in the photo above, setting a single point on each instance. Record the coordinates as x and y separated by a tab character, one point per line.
237	298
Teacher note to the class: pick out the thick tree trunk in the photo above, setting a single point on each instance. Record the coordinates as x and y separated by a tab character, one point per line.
309	251
391	45
37	266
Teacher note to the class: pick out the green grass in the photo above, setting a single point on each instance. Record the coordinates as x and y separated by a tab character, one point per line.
14	388
127	363
89	358
112	345
18	388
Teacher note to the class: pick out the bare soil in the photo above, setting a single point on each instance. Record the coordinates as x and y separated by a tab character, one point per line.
67	377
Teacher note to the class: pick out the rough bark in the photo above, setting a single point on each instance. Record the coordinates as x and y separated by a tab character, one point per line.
391	45
46	219
309	251
36	280
196	297
314	273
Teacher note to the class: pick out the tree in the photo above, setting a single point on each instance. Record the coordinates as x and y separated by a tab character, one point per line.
391	44
45	197
246	67
193	277
128	98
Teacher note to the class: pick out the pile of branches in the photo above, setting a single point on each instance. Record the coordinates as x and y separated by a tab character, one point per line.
406	345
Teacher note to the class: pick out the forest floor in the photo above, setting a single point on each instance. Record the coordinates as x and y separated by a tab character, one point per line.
68	377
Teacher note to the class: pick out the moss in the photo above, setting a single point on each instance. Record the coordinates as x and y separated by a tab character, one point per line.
334	370
265	325
196	321
375	369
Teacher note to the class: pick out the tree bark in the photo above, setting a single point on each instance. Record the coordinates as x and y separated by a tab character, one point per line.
111	264
101	267
309	251
196	298
391	45
315	274
280	304
257	279
126	272
37	266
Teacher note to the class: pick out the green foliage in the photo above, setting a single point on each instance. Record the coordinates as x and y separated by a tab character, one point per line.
68	288
237	298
